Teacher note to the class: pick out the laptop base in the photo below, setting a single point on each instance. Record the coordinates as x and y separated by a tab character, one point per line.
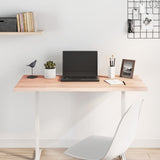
79	79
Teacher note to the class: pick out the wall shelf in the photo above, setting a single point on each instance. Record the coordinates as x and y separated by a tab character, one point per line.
20	33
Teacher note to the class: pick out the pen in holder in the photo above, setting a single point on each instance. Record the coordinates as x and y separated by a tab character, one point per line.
111	66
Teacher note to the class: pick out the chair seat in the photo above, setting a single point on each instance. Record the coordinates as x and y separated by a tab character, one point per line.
91	148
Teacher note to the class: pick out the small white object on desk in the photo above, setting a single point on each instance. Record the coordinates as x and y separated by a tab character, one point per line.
111	67
113	81
111	72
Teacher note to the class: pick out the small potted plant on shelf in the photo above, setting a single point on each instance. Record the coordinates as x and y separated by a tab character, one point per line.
50	70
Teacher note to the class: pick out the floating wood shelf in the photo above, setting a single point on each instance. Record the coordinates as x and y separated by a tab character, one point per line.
20	33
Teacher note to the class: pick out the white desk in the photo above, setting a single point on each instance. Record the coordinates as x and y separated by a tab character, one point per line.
55	85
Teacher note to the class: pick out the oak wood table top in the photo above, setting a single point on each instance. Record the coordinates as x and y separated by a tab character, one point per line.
41	84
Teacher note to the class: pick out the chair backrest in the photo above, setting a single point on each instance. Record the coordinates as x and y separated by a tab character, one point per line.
126	131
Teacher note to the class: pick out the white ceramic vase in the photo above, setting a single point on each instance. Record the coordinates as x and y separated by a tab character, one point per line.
50	73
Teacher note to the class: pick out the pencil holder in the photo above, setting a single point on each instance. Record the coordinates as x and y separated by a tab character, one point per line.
111	72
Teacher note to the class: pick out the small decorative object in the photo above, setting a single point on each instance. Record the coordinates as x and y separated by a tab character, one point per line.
32	65
50	70
135	13
142	8
130	26
127	68
147	22
111	66
154	3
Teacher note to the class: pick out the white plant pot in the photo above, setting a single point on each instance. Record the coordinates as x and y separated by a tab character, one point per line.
50	73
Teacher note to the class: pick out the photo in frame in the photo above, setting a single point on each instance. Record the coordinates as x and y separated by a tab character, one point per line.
127	68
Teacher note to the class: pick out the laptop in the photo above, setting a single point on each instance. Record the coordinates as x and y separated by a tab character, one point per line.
80	66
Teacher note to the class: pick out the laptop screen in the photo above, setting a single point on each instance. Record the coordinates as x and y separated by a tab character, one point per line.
80	63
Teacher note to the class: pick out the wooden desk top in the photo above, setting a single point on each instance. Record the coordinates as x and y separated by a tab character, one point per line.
42	84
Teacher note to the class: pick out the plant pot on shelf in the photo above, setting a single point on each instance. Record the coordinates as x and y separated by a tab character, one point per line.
50	73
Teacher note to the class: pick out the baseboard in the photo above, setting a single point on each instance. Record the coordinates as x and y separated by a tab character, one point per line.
54	143
29	143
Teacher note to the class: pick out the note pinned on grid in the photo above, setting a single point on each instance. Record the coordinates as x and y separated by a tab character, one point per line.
113	81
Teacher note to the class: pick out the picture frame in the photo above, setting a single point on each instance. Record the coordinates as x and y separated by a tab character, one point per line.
127	68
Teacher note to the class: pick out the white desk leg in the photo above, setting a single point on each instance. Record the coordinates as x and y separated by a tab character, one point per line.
123	103
123	110
37	128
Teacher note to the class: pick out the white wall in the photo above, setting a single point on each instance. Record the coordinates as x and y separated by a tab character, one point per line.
65	117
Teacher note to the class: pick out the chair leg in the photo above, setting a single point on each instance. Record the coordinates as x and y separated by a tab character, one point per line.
123	157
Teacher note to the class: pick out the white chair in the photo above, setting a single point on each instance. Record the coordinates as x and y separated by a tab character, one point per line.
99	147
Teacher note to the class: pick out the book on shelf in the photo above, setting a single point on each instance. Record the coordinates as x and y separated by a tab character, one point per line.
21	22
31	23
18	25
34	21
26	22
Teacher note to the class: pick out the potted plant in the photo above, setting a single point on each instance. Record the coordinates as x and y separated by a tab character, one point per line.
50	70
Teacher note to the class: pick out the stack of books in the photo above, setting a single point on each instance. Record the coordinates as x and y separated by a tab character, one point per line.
25	22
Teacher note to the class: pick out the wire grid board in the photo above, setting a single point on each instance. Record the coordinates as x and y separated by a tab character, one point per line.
150	8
